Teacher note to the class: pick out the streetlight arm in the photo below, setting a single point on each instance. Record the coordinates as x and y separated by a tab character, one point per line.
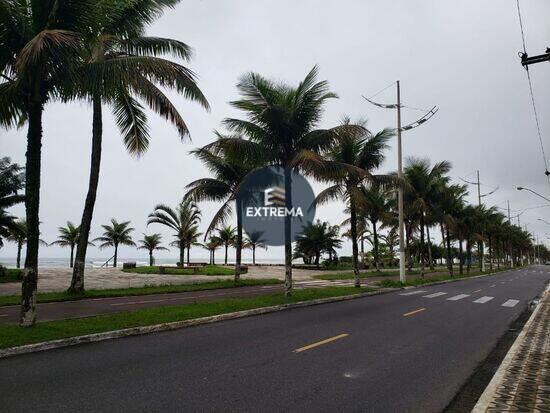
521	188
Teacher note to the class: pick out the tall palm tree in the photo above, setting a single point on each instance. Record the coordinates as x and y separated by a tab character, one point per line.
18	235
352	161
151	243
40	46
229	172
191	238
68	237
281	129
317	238
423	183
227	236
118	233
119	67
181	219
253	241
11	182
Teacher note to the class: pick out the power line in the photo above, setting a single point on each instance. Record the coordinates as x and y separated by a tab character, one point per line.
547	173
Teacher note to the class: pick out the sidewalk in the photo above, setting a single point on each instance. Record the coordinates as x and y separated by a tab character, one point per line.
522	382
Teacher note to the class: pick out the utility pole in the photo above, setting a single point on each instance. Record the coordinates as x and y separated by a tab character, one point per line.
400	206
481	244
402	275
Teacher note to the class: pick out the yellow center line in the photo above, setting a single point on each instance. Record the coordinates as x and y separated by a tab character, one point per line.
320	343
413	312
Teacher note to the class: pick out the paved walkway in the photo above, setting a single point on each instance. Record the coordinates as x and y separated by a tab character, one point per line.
522	383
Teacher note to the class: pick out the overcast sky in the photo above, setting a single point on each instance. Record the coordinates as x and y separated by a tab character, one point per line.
461	56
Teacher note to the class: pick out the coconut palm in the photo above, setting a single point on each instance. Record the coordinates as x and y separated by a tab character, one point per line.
423	183
229	172
68	237
118	233
281	129
352	161
18	235
212	245
317	238
40	46
253	241
119	68
227	235
181	219
11	181
191	238
151	243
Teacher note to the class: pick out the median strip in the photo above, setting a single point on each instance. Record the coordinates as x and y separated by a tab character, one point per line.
320	343
413	312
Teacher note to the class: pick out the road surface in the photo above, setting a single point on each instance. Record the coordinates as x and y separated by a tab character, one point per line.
406	351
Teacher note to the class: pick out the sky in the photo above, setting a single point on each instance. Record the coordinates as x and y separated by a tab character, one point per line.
461	56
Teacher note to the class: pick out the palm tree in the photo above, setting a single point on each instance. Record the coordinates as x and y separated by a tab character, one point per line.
352	161
281	127
375	203
119	67
68	237
254	240
423	185
317	238
18	235
227	236
181	219
191	238
212	245
151	243
229	172
40	47
11	181
118	233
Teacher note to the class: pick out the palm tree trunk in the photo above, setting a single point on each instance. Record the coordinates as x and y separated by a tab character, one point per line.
116	256
188	253
150	258
19	248
353	230
288	231
239	246
77	282
253	254
422	255
449	251
490	253
461	258
32	206
363	250
213	257
408	247
182	254
226	247
375	245
468	256
71	262
430	259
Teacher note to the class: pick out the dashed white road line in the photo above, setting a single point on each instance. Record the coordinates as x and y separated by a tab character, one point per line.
494	285
476	291
483	300
510	303
434	295
458	297
414	292
3	315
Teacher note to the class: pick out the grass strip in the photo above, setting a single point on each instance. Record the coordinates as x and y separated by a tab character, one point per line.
121	292
13	335
205	270
12	275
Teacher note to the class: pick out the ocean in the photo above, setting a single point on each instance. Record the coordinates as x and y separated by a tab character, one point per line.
10	262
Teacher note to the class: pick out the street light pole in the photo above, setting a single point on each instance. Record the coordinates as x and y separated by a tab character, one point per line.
402	275
521	188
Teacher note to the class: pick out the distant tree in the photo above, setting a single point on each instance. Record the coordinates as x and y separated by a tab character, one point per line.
18	235
254	240
212	245
11	181
181	219
151	243
118	233
227	235
68	237
316	239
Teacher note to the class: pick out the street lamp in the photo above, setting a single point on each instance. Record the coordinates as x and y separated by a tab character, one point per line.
521	188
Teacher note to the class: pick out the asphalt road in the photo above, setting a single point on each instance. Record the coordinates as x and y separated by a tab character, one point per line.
97	306
408	351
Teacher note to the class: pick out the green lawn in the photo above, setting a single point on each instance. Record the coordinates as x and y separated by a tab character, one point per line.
422	281
206	270
12	275
348	275
120	292
13	335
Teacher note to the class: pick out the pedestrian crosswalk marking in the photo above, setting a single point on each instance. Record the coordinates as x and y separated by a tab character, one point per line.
510	303
414	292
483	300
435	295
458	297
